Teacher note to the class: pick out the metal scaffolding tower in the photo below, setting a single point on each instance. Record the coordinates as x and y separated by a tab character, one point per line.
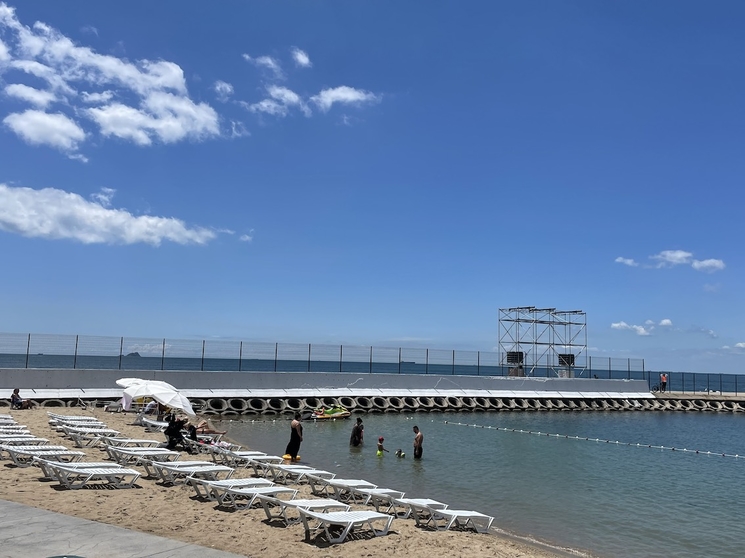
543	341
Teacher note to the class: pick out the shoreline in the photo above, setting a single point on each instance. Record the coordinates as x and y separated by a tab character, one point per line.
175	513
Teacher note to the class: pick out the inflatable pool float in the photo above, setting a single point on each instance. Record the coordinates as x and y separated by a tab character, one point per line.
337	412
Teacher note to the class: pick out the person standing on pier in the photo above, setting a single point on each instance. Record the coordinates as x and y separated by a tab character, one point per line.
663	382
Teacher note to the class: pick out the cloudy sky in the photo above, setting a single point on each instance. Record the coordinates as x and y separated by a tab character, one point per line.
376	173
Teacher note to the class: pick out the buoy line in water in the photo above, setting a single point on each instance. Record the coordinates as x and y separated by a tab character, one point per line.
598	440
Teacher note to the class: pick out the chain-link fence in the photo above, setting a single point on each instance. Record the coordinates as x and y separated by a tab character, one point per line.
21	350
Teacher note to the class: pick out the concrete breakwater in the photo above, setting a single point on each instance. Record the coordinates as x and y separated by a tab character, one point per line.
237	407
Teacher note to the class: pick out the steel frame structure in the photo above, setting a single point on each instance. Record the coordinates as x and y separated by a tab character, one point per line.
547	338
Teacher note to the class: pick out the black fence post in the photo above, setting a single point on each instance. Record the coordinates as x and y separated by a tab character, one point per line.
276	352
240	357
426	362
28	347
478	363
453	372
121	349
163	355
371	357
75	358
202	366
399	360
308	357
341	356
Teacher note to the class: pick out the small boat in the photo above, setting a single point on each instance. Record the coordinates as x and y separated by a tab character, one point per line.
337	412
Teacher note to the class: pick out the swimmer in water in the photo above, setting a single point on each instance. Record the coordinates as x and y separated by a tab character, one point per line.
399	453
381	449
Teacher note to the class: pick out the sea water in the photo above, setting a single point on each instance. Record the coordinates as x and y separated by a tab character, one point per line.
605	498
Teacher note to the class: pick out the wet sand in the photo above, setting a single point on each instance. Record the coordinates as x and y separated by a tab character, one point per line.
174	511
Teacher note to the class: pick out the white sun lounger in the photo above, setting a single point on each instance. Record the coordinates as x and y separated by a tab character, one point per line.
78	477
169	473
88	436
154	425
285	474
25	457
22	440
44	464
416	506
29	447
58	417
463	519
244	498
240	458
349	521
260	463
278	509
79	424
210	489
12	427
338	489
140	456
130	442
15	434
377	497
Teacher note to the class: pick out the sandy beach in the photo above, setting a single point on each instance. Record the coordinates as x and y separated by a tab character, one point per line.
174	512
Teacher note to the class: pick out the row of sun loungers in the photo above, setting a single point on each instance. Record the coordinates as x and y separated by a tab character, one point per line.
329	512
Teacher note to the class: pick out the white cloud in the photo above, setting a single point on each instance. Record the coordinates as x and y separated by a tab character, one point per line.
162	115
89	29
97	98
288	98
162	109
238	130
40	128
708	266
740	345
267	106
666	322
55	214
668	258
104	197
344	95
4	52
223	90
301	58
626	261
31	95
266	62
640	330
247	237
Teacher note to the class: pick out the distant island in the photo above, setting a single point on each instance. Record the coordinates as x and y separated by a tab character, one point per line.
135	354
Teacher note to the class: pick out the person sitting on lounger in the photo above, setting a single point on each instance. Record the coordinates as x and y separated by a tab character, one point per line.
17	402
173	431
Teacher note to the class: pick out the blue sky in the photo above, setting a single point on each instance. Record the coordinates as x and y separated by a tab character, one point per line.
376	173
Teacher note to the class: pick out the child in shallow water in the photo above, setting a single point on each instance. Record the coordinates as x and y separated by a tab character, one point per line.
381	449
399	453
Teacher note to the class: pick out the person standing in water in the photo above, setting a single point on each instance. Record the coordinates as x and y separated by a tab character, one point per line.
296	437
418	440
357	433
381	449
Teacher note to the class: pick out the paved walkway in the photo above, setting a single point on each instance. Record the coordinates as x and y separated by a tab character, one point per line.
35	533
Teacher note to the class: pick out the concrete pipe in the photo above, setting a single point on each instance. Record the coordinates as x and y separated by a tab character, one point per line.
250	413
439	403
425	403
509	403
379	403
714	405
729	406
410	403
347	402
269	413
520	404
467	403
452	403
53	403
294	404
574	404
482	403
496	403
257	404
363	403
686	405
739	406
210	413
312	403
238	405
276	404
700	405
395	403
198	404
228	414
532	404
546	405
558	404
217	404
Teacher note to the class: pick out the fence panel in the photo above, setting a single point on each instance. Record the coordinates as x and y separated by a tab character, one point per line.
219	355
258	357
466	363
98	353
142	353
325	358
293	357
51	351
356	359
385	360
13	350
413	361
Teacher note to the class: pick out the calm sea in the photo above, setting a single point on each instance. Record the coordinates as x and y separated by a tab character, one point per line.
610	500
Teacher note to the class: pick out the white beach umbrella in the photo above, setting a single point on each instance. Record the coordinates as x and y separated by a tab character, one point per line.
161	392
126	382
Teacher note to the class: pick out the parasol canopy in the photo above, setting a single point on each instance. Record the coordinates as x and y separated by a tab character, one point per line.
160	391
